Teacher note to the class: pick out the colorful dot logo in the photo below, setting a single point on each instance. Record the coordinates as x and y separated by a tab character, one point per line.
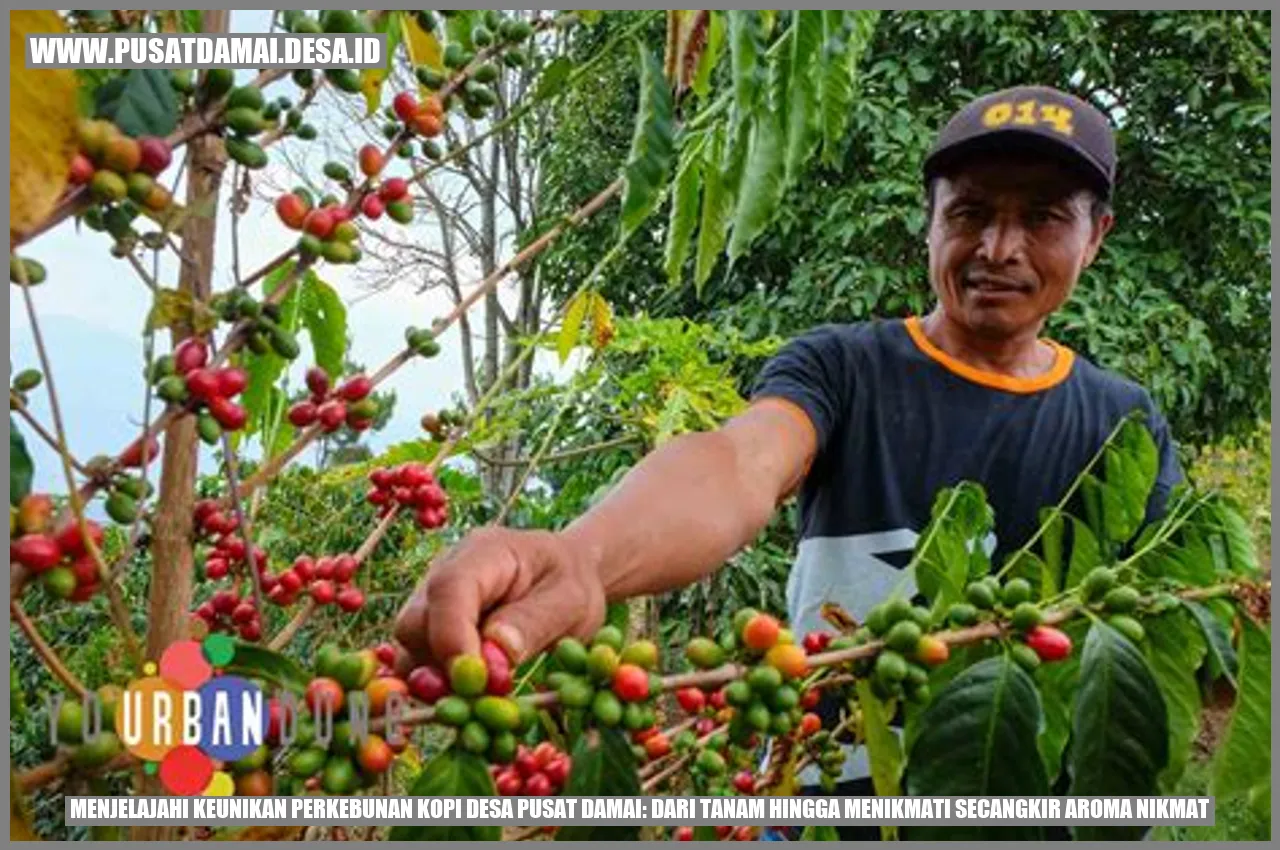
185	714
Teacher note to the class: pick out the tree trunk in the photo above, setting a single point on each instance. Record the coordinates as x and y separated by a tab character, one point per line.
172	556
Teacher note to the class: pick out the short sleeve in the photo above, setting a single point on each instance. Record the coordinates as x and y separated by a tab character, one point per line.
813	373
1169	474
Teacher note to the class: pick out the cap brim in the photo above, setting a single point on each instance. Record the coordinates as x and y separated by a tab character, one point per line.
1013	141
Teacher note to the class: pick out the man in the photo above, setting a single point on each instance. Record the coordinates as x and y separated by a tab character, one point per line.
866	422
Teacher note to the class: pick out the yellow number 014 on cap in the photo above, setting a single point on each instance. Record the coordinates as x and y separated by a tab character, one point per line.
1029	113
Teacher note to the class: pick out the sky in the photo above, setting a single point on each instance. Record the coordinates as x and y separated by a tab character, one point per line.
92	308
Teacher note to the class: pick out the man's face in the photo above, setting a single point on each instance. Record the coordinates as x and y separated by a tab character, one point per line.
1008	242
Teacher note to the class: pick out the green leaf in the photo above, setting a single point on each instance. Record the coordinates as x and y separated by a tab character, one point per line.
1094	495
763	181
1175	650
1232	529
1222	656
1120	728
603	766
1053	523
141	102
812	832
21	469
325	318
1085	553
453	773
281	430
265	369
1243	761
17	701
884	750
746	50
717	211
1059	684
978	738
257	662
1127	489
838	74
553	77
652	145
458	27
571	327
710	54
417	451
705	832
802	89
684	207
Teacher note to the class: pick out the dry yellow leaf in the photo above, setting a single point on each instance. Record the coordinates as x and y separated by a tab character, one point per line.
42	125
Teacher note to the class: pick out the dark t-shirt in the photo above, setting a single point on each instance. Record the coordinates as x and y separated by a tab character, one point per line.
898	420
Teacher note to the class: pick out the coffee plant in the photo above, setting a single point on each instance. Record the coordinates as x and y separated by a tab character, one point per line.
1070	667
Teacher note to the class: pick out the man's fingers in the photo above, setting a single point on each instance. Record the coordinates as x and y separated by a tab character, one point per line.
454	603
411	632
529	625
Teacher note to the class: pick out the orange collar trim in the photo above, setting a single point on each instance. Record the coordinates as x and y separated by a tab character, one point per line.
1058	373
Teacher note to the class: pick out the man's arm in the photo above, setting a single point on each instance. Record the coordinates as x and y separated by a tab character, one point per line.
689	506
680	513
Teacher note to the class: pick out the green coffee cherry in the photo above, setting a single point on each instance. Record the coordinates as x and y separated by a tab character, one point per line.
1121	600
891	667
1097	583
903	636
1015	592
1129	627
962	614
1025	617
980	595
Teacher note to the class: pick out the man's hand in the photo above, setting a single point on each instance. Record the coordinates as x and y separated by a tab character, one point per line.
521	589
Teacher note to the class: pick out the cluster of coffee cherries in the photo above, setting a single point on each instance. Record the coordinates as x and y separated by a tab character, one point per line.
229	550
901	668
260	323
329	229
474	698
615	682
185	378
988	598
767	700
116	167
327	579
228	611
97	749
120	174
23	382
349	404
410	486
438	425
539	772
347	762
1103	592
61	558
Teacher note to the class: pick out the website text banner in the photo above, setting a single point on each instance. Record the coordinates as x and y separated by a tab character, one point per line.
176	50
541	811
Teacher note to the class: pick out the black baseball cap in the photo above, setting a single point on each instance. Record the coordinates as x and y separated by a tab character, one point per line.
1030	118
